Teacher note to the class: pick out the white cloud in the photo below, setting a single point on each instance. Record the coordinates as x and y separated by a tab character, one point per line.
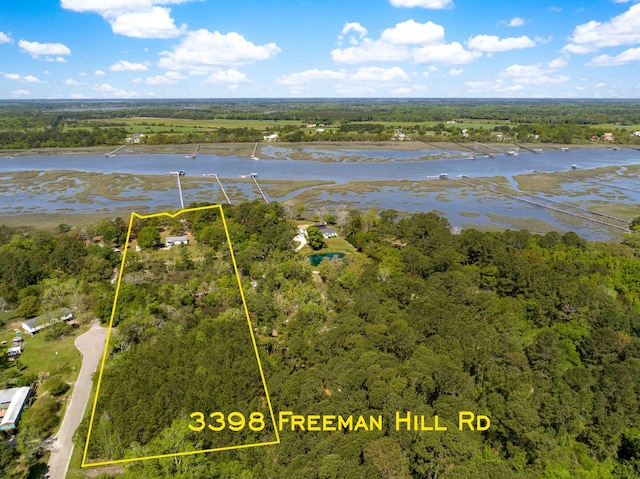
377	75
516	22
231	76
36	49
17	93
627	56
557	63
155	23
113	91
371	51
433	4
104	6
368	80
496	86
72	82
623	29
4	38
446	54
532	74
491	43
132	18
125	66
422	42
308	76
77	96
410	32
99	73
22	79
202	51
601	85
169	78
454	72
356	27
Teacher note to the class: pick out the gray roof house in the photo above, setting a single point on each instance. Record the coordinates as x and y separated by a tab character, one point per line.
175	240
33	325
12	402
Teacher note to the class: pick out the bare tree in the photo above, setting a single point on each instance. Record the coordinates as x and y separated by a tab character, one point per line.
342	215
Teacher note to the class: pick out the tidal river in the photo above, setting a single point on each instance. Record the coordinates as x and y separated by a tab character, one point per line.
337	166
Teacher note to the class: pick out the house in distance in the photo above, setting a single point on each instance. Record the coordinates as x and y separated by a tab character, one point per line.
33	325
176	240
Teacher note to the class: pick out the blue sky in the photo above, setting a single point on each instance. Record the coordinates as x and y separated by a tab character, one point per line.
350	48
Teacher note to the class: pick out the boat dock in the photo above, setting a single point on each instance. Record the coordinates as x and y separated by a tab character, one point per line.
113	153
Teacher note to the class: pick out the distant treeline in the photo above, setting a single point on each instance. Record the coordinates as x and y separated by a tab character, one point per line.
42	124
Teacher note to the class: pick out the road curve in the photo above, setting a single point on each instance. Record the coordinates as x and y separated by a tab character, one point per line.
91	345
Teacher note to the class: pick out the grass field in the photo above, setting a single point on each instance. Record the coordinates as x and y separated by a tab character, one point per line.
155	125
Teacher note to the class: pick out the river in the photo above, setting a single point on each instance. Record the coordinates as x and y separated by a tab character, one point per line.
337	165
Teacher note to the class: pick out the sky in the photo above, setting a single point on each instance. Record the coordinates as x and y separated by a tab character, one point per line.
140	49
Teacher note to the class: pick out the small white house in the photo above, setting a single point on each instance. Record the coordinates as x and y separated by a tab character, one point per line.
324	229
272	137
176	240
33	325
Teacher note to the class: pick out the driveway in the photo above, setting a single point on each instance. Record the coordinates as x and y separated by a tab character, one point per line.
91	345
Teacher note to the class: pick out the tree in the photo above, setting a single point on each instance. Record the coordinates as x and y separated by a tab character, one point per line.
148	237
315	237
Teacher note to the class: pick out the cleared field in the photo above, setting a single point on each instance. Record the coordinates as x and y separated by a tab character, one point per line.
154	125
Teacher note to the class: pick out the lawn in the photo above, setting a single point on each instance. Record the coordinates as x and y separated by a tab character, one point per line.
40	354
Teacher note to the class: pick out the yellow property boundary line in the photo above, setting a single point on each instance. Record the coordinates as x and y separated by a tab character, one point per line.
106	346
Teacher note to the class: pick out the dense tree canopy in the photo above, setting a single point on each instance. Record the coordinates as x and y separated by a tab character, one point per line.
540	333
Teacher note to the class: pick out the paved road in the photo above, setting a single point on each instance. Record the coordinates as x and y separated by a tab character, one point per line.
91	345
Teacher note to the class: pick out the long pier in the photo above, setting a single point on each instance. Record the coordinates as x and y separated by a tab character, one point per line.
532	150
541	205
474	151
113	153
219	184
556	202
491	147
253	177
195	153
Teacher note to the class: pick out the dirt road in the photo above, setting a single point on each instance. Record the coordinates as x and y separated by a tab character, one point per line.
91	345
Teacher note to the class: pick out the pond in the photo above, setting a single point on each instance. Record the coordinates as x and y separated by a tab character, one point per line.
315	259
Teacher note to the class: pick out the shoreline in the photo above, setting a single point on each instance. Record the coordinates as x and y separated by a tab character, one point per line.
245	149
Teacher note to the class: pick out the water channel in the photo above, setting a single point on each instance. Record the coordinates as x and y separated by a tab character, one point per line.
339	166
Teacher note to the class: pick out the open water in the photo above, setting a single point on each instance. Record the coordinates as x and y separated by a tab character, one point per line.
339	166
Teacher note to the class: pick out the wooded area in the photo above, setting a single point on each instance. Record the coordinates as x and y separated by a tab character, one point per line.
539	333
40	124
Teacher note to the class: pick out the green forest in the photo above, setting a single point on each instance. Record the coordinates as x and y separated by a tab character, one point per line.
540	333
55	124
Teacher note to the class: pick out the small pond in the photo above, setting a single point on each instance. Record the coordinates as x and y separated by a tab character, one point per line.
316	258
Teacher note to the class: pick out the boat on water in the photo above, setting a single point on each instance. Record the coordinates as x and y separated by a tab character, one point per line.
253	155
564	148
